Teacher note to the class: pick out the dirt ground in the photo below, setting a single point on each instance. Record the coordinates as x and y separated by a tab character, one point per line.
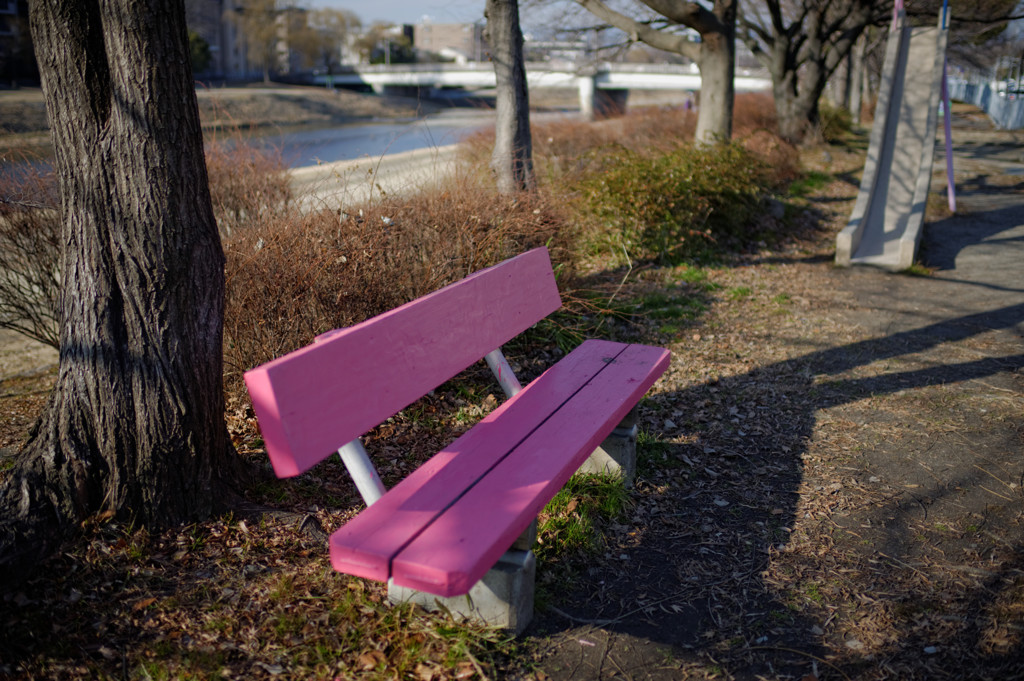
840	487
831	481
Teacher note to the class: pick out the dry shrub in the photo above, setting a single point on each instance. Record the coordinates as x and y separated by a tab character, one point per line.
289	281
563	149
781	156
248	185
754	111
30	253
658	128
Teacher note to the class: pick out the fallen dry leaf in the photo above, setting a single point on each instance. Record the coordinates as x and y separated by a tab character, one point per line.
371	660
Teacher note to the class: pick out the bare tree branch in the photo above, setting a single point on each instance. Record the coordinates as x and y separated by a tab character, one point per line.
642	32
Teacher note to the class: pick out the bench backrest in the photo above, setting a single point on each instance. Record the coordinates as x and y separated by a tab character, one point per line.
316	399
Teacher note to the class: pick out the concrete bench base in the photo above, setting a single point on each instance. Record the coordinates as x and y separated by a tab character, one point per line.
617	454
502	599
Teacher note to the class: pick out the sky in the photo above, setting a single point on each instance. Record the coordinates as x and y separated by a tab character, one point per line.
410	11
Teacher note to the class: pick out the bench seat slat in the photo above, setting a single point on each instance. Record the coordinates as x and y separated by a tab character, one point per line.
457	549
366	544
454	551
312	401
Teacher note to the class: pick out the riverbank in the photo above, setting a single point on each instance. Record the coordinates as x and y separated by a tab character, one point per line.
25	126
332	185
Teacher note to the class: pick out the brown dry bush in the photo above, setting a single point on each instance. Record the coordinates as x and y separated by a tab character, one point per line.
289	281
567	149
564	149
781	156
29	250
754	111
248	185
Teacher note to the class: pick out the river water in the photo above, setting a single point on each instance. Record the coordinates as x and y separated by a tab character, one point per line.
306	146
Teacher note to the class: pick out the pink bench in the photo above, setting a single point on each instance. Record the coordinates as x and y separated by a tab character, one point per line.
446	524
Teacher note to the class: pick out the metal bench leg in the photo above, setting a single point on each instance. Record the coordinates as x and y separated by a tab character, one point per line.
502	599
617	454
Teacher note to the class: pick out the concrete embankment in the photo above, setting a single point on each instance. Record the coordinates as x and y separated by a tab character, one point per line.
333	185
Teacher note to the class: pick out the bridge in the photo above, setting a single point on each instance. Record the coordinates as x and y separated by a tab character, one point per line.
600	86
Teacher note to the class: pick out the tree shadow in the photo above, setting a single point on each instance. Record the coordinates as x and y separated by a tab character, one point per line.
699	578
946	239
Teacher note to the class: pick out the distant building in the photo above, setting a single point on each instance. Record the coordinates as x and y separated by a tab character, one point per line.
291	24
209	18
17	62
461	42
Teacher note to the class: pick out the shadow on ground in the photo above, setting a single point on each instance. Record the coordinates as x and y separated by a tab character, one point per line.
739	559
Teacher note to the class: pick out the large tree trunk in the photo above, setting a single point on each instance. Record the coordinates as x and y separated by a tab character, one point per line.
512	160
796	107
715	55
135	423
717	72
792	123
802	55
857	79
797	112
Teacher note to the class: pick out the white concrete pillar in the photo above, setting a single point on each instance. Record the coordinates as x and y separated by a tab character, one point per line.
587	88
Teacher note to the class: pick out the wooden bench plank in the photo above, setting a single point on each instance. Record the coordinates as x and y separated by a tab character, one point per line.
312	401
366	544
455	551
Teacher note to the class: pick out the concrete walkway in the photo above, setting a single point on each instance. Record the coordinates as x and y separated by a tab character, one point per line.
333	185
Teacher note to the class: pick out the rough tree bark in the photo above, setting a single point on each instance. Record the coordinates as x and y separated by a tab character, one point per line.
512	159
715	54
135	424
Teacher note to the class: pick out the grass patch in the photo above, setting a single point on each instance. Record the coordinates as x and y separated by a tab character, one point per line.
570	524
671	305
697	277
918	270
809	182
740	293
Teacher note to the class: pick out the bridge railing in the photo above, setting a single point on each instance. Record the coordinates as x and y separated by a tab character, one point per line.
559	66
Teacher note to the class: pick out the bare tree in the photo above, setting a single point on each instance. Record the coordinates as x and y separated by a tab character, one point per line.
135	424
801	43
257	22
324	35
978	29
512	160
715	54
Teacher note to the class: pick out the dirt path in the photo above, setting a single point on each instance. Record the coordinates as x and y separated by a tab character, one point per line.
835	489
